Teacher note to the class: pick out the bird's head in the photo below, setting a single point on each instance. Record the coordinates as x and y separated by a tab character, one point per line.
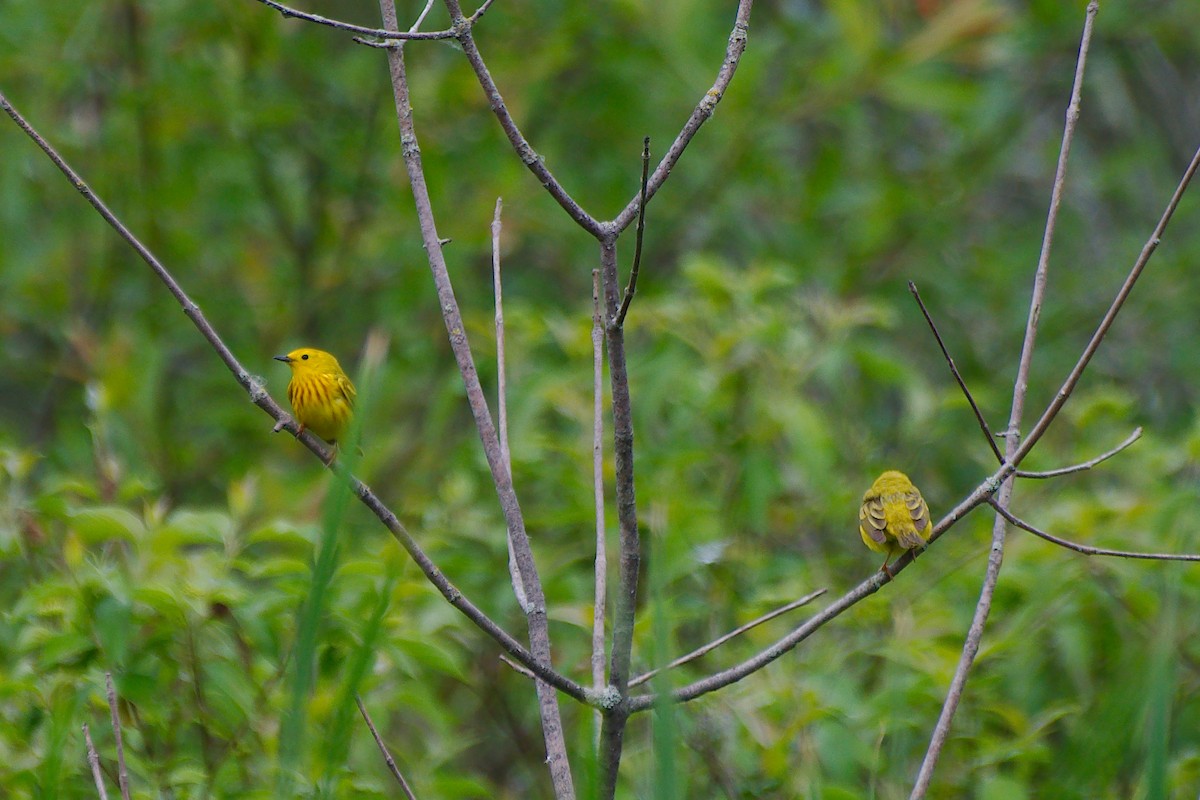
308	359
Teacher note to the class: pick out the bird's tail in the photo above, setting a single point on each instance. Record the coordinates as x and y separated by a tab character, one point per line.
910	539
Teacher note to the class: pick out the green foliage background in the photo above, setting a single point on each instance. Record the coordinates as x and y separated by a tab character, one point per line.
151	525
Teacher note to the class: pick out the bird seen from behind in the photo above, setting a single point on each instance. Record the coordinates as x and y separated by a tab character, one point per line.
893	517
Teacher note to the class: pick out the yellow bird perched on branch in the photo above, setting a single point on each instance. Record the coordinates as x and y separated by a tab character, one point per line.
321	394
893	517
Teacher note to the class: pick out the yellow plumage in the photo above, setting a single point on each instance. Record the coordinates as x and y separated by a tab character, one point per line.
893	517
321	394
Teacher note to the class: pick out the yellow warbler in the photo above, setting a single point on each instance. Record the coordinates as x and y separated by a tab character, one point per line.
321	395
893	517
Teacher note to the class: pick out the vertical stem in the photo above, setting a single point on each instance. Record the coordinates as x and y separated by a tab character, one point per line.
601	599
122	772
514	571
501	379
535	610
629	544
94	762
1012	440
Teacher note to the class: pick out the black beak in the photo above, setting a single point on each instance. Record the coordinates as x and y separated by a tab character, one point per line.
284	359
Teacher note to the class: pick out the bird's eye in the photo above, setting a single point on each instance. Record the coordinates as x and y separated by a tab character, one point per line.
304	357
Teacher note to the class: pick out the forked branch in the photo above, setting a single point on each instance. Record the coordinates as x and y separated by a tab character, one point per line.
1012	443
988	487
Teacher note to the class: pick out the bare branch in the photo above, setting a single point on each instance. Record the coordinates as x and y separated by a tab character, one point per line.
479	12
378	33
704	109
1088	550
751	665
535	608
501	380
629	541
1086	465
502	395
601	595
631	289
535	163
525	151
94	760
387	756
1012	449
715	643
122	772
987	432
261	398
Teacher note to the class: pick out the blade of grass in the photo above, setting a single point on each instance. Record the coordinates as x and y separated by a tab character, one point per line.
339	738
291	737
665	726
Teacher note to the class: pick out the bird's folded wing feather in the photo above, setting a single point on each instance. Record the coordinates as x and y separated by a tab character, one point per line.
872	520
347	388
918	510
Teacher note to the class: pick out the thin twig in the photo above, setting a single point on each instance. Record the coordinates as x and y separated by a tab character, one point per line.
94	760
261	398
387	756
1013	439
1086	465
601	579
535	608
378	33
704	109
501	391
514	571
373	43
987	432
715	643
479	12
517	668
1088	550
122	772
631	289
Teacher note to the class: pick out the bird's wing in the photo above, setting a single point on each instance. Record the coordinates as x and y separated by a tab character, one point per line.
918	510
872	521
347	388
